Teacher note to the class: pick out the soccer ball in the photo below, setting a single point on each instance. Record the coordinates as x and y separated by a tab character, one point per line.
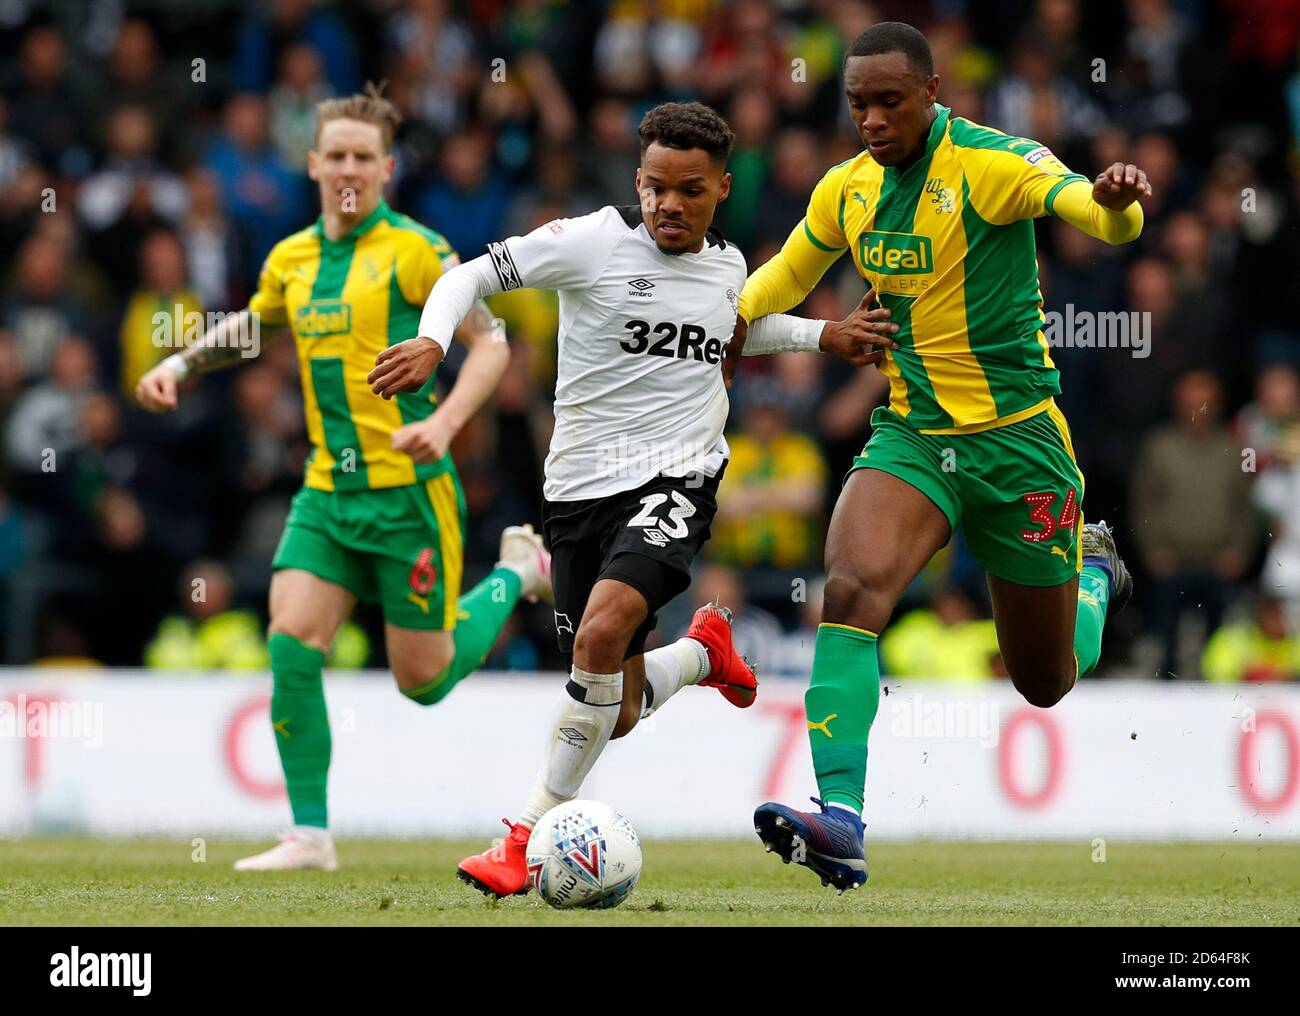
584	854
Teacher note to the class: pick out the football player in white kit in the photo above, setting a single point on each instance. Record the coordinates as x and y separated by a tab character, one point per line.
648	299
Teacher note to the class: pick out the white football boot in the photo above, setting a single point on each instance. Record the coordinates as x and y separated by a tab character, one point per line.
299	849
523	552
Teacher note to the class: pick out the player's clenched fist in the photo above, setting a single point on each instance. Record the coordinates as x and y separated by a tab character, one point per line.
404	367
857	336
156	391
426	441
1119	186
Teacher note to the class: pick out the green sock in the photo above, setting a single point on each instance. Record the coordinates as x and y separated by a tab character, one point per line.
841	704
483	613
302	725
1094	594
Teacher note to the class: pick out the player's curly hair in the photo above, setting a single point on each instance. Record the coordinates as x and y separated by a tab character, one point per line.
369	107
686	125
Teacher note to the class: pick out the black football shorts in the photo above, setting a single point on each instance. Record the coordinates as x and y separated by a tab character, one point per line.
646	537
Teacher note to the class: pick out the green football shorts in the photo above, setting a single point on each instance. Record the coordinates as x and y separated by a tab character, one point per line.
1015	490
400	547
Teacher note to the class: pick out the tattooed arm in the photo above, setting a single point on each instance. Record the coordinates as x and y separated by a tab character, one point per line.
235	337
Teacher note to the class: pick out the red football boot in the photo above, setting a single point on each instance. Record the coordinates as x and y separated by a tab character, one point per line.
502	870
728	671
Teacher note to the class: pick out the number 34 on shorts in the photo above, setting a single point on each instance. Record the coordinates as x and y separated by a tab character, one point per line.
1040	513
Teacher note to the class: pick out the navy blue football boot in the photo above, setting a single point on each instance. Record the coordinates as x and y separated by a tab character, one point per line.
830	844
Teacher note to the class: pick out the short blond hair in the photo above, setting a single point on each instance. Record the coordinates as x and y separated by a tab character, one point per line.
368	107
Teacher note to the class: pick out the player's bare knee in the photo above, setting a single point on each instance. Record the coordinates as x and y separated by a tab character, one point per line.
312	638
857	600
411	674
602	639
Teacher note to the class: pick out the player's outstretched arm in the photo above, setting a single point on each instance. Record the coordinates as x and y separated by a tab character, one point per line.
223	345
489	355
776	286
407	366
1109	209
861	338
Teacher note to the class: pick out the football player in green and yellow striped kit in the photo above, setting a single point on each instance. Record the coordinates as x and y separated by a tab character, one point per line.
937	215
380	516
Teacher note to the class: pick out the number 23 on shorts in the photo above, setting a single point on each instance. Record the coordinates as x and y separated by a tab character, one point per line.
674	525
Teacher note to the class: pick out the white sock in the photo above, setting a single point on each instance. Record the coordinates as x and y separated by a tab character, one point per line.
846	807
671	668
579	733
314	835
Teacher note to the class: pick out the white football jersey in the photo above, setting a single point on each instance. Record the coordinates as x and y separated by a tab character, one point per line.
639	388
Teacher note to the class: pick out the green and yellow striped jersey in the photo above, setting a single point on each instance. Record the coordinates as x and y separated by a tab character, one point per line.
948	245
345	300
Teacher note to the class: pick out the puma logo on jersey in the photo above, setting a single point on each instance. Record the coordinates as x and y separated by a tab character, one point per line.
282	726
862	201
822	725
420	601
1058	550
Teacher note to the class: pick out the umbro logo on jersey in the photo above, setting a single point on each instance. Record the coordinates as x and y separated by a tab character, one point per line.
572	735
641	287
656	538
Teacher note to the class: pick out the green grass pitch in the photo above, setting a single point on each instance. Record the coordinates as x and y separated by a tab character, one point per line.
78	881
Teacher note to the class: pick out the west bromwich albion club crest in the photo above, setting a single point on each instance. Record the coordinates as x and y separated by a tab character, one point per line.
941	197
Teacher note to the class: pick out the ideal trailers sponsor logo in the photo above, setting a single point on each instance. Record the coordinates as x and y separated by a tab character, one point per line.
896	253
323	317
75	969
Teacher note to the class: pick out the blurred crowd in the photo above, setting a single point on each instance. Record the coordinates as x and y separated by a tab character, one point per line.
151	154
